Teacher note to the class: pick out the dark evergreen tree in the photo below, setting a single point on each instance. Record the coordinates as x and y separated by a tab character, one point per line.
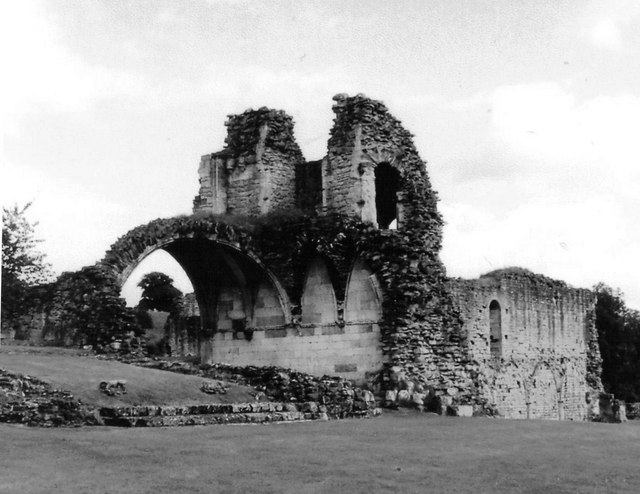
619	338
158	293
86	308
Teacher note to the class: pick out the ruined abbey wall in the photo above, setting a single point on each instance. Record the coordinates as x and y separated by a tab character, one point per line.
350	282
530	335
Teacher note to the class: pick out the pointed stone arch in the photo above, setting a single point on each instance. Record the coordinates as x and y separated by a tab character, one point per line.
363	300
214	258
318	302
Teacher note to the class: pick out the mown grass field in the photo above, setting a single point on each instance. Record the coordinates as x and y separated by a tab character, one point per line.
398	452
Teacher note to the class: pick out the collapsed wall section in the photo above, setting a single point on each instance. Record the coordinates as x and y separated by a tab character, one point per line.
533	338
256	172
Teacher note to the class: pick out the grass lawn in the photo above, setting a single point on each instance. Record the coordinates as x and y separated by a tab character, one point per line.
65	369
398	452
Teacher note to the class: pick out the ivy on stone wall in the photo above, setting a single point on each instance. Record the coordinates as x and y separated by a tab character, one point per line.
419	323
86	308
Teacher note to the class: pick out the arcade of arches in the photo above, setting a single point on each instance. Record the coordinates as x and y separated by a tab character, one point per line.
314	323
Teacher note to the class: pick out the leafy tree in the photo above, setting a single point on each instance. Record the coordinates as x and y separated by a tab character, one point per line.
619	337
86	308
158	293
23	266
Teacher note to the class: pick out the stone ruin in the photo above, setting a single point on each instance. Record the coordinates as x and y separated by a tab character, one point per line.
331	267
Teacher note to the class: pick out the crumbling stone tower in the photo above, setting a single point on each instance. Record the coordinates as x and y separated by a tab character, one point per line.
255	173
367	153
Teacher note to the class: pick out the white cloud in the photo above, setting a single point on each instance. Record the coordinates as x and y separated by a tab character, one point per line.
596	138
39	70
606	34
612	24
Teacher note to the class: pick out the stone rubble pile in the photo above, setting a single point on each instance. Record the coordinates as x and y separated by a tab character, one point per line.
113	388
409	393
337	395
214	388
29	401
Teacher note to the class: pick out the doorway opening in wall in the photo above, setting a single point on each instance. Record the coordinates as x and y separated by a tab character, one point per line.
495	329
387	186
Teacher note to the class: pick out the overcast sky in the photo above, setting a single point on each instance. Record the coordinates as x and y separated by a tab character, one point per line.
528	114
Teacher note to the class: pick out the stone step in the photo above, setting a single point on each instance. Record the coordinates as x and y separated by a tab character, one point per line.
208	419
207	409
217	413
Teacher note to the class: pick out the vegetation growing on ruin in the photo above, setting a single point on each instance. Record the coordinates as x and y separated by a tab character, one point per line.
416	306
86	308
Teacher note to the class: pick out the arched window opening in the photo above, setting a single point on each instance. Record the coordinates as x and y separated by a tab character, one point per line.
387	186
495	329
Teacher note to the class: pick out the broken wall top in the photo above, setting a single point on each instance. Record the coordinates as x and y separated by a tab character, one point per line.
270	128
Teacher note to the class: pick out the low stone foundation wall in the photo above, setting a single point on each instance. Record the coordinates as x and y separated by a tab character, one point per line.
26	400
29	401
339	395
236	413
